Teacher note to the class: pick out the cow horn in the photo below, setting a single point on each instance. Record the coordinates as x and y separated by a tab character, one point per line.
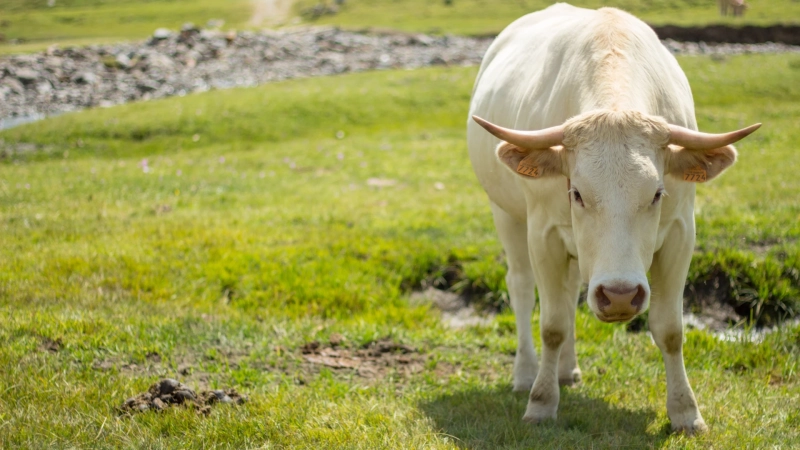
525	139
696	140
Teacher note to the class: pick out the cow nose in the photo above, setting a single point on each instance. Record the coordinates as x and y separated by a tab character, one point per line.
620	302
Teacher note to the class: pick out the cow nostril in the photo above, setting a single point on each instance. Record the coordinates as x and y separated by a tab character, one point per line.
602	300
638	300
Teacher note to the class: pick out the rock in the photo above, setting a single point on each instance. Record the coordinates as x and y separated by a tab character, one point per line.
27	76
147	86
123	61
14	85
162	33
53	61
423	40
160	61
189	26
44	87
85	78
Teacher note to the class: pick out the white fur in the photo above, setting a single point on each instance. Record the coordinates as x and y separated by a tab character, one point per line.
606	77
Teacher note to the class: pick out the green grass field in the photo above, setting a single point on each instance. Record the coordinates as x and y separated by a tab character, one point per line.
81	22
223	231
84	22
487	17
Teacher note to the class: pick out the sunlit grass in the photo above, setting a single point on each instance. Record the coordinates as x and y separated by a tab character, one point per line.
35	26
227	229
487	17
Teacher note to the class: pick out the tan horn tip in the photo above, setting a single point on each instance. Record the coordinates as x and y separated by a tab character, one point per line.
480	121
753	127
744	132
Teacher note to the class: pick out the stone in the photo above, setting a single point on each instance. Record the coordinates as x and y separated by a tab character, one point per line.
27	76
147	86
14	85
123	61
44	87
162	33
189	26
53	61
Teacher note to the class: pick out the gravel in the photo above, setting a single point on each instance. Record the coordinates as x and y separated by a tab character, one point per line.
193	60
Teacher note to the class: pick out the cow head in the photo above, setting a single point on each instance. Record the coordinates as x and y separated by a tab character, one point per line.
616	162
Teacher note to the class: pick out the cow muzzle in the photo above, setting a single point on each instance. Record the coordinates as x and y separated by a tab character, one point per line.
619	302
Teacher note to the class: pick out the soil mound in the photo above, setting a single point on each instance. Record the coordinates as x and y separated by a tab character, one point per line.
168	392
749	34
372	360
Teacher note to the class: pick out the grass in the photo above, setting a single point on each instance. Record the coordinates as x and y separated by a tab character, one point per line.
225	230
35	26
30	25
483	17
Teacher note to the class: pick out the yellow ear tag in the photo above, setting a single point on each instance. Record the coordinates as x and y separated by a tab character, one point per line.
526	167
695	175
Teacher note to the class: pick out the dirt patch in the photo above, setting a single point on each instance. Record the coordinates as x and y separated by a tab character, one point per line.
167	393
730	295
455	308
373	360
711	300
462	301
47	344
749	34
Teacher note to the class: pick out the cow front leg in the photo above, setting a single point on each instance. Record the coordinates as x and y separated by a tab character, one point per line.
521	291
668	274
569	372
551	268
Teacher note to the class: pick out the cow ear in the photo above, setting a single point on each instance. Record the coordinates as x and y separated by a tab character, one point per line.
527	163
699	166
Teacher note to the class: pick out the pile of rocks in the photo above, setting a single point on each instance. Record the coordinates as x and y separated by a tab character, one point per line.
703	48
192	60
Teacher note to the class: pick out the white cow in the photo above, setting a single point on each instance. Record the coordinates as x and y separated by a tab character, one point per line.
601	193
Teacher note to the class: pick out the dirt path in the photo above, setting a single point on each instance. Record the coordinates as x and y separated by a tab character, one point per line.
270	12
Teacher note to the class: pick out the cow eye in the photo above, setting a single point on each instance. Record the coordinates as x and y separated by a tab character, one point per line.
657	197
578	198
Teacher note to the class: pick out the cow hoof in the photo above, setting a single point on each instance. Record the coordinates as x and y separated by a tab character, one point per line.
698	426
571	379
536	415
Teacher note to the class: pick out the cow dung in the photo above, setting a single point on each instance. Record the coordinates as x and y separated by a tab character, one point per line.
168	393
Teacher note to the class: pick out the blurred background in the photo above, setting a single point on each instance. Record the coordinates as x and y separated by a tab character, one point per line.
28	25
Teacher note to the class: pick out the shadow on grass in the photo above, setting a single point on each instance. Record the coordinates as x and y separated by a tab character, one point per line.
492	418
